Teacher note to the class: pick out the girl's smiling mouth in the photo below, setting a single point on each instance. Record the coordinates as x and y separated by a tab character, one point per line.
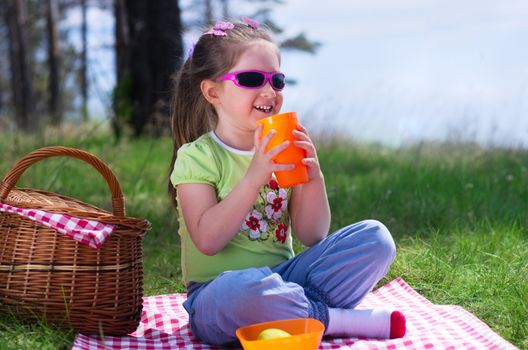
264	109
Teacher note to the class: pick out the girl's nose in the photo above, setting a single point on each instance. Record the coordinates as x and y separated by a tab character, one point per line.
267	90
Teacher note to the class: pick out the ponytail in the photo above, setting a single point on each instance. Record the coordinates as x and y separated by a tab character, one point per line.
191	116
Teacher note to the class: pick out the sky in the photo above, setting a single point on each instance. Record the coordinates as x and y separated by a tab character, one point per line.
404	71
397	72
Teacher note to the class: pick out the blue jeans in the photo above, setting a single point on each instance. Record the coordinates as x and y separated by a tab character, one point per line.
337	272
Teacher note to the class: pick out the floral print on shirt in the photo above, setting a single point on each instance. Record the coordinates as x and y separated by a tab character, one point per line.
269	217
254	223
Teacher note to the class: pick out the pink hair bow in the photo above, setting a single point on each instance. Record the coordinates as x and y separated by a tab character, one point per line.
220	28
250	22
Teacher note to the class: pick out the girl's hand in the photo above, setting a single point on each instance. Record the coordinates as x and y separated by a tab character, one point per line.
261	167
311	161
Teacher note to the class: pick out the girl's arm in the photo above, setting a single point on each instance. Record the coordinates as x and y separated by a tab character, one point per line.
310	211
212	224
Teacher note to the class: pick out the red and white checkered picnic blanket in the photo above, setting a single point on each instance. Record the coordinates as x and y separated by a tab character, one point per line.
88	232
164	325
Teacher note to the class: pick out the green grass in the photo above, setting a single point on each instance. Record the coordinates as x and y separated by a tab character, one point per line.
458	213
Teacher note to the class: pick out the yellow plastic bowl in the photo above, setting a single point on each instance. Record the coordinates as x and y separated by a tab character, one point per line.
306	334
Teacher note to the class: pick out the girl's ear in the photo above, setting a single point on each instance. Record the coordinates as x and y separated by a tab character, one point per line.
210	91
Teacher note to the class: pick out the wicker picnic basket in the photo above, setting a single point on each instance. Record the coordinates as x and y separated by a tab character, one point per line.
47	275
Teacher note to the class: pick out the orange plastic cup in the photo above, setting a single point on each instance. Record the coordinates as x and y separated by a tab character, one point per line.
306	334
284	124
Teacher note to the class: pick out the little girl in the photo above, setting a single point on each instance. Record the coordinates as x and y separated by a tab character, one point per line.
236	223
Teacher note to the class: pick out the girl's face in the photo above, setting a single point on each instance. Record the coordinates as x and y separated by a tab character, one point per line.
239	107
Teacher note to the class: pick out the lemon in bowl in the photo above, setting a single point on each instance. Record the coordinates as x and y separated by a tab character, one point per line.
298	333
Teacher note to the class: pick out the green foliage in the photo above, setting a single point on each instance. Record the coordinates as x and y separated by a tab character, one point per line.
458	214
300	42
16	335
423	188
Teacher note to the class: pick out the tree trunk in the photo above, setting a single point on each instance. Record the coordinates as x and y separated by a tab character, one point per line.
84	62
2	88
54	107
209	14
121	98
122	39
22	76
154	54
225	9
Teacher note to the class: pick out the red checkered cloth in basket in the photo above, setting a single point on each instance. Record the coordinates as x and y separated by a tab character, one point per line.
88	232
164	325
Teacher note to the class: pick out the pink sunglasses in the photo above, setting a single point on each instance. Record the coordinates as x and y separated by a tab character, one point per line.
253	79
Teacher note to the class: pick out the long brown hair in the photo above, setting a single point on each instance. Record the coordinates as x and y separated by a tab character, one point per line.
191	114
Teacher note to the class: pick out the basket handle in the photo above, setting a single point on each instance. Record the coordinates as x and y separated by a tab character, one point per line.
10	180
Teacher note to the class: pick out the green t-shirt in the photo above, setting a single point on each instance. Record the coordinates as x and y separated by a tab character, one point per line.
264	238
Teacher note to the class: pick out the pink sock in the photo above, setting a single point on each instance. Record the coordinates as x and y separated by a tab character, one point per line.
371	323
